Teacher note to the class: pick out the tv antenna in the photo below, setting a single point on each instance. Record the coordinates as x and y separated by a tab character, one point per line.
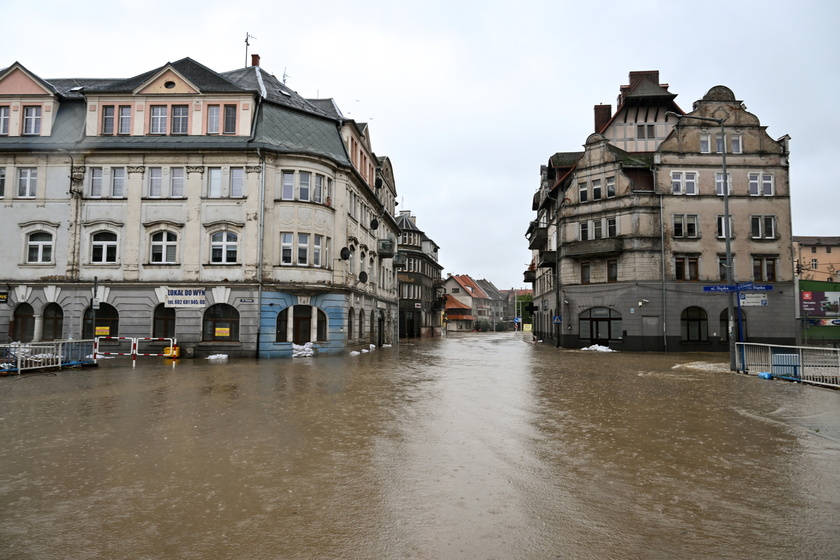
247	44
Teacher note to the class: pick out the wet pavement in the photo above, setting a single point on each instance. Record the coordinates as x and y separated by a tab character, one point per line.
476	446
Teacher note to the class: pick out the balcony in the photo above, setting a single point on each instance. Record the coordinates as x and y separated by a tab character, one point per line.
530	276
594	248
538	238
385	248
548	259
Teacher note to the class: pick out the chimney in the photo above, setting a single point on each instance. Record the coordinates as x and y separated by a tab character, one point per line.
637	77
255	60
603	113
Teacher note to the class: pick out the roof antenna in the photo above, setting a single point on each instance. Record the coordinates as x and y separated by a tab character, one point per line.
247	44
285	76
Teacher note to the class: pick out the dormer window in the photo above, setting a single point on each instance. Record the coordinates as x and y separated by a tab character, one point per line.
4	120
32	121
157	125
180	119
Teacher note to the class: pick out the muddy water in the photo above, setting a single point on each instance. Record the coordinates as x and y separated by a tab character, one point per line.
471	447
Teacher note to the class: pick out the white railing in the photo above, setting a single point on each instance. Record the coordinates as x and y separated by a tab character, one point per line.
22	356
817	366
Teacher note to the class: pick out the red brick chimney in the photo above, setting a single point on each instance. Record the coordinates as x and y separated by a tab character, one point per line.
603	114
255	60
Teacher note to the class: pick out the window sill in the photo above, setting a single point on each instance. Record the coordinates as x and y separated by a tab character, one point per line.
162	265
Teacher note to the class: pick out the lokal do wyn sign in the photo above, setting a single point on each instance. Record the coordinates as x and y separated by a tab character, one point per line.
185	297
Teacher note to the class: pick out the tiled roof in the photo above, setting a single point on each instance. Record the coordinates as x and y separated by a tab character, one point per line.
292	131
205	79
405	224
809	240
469	284
452	303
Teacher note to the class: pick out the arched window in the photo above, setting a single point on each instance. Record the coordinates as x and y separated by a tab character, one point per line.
221	324
103	248
362	323
53	322
164	248
107	322
351	319
372	327
301	325
164	322
694	325
599	325
724	327
39	247
24	326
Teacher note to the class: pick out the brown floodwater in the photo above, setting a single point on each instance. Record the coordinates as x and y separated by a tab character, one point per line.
477	446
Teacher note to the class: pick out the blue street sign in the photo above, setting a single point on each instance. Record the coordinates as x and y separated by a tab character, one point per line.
745	287
720	288
517	319
558	320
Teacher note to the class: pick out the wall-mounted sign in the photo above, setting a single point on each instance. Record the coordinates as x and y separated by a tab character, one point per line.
103	331
4	297
222	331
186	297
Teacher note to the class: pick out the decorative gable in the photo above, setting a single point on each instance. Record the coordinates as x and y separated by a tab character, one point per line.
167	82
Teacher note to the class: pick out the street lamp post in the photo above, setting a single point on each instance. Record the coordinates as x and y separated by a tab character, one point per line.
730	281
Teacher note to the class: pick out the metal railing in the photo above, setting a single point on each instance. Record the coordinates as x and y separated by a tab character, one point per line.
817	366
56	354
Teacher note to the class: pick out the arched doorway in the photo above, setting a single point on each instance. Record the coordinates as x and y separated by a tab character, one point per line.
23	326
107	322
53	322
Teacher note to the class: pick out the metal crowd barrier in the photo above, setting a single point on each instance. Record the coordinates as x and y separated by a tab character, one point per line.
56	354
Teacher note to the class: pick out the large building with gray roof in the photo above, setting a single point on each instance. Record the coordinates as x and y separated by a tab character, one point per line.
221	209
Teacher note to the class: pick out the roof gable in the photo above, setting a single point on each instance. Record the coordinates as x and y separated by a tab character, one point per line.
167	82
17	80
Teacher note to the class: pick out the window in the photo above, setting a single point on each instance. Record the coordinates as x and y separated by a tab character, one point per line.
39	247
740	325
301	323
584	231
288	186
108	116
125	119
584	192
685	225
597	229
736	144
157	125
164	248
2	182
230	119
684	182
600	324
118	182
705	143
221	324
612	270
237	182
694	325
596	189
584	273
213	119
303	249
27	182
180	119
351	320
4	120
719	143
721	224
223	246
303	188
645	131
764	269
103	248
612	227
686	268
761	184
722	267
176	182
814	264
155	182
214	182
107	321
286	248
610	187
53	322
163	322
763	227
719	184
318	193
317	248
95	182
32	120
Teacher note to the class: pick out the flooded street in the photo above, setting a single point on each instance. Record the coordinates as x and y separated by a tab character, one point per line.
478	446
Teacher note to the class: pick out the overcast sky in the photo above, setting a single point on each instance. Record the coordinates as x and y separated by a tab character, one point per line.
469	98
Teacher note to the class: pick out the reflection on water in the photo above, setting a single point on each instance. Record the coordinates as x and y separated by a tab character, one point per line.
475	446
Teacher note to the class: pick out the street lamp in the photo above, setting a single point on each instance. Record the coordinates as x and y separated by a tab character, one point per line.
727	234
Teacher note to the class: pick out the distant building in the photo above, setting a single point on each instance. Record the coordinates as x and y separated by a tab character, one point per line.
817	258
465	290
629	231
218	208
420	284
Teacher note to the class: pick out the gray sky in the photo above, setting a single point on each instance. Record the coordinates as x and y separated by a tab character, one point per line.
469	98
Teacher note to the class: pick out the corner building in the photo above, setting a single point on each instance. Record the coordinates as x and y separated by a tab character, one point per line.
221	209
629	231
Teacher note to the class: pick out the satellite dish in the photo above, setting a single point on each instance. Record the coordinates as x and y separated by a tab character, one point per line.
363	277
345	253
374	223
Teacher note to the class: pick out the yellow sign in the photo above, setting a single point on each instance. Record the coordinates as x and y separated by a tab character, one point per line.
221	331
103	331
